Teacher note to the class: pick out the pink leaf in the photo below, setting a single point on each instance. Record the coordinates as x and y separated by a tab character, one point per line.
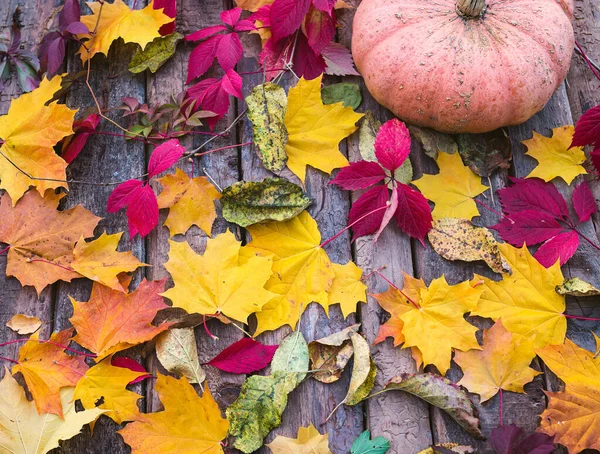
231	83
587	130
231	16
338	60
413	215
307	63
263	15
509	440
392	144
535	195
372	199
324	5
320	29
164	156
275	55
359	175
202	57
244	356
529	227
131	364
583	202
287	16
204	33
229	51
561	246
142	212
121	195
244	26
388	214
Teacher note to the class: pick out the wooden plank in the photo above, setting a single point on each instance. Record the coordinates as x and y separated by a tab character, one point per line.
400	417
312	401
222	166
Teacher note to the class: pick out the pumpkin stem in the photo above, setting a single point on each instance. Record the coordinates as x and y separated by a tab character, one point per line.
471	9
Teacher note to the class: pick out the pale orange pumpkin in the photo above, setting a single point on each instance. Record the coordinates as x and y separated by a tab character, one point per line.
463	65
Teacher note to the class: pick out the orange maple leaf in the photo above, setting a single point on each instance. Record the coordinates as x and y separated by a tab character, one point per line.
41	239
112	321
47	368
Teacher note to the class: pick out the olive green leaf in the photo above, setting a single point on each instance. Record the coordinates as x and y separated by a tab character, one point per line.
248	202
458	239
266	110
363	444
330	354
155	54
176	350
433	141
291	356
577	287
344	92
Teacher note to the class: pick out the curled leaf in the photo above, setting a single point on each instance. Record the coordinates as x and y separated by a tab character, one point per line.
577	287
155	54
331	354
177	352
363	371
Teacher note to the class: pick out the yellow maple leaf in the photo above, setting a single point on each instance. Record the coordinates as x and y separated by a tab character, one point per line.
188	425
24	431
452	189
315	129
526	300
99	260
106	383
218	281
190	202
502	364
555	158
29	131
308	441
118	21
347	288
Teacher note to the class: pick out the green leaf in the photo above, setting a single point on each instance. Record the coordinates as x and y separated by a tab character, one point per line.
248	202
364	445
155	54
344	92
577	287
433	141
266	110
291	356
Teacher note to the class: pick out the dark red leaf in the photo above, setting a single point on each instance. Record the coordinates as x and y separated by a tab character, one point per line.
413	215
73	145
583	202
204	33
287	16
164	156
535	195
229	51
561	246
307	64
595	158
231	16
529	227
392	144
131	364
324	5
376	197
244	356
202	56
142	212
537	443
77	28
121	195
587	130
320	29
338	60
359	175
169	9
506	440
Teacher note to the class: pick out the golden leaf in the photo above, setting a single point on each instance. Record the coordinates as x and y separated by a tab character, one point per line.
308	441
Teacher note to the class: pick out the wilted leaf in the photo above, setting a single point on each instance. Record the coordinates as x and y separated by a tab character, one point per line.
155	54
331	354
177	352
458	239
266	110
364	445
244	357
248	202
363	371
484	153
447	448
344	92
577	287
433	142
509	440
24	324
308	441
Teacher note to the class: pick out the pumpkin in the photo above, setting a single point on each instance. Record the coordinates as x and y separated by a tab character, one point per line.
463	65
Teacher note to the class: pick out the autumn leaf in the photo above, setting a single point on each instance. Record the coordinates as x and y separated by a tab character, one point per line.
588	133
452	189
555	158
99	260
24	431
47	369
133	365
187	424
509	439
82	130
526	300
347	288
330	355
584	202
112	21
347	93
503	363
177	352
364	371
437	310
156	54
24	324
29	131
106	383
112	321
219	281
363	444
308	441
577	287
315	130
252	5
244	357
190	202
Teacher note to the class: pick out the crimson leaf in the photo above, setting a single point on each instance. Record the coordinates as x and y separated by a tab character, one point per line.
82	129
141	203
359	175
244	356
561	246
320	29
392	144
413	215
529	227
374	198
164	156
287	16
170	9
131	364
583	202
587	130
535	195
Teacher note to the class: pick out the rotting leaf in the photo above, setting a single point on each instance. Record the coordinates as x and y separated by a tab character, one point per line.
331	354
363	371
344	92
433	142
484	153
458	239
267	104
177	352
577	287
364	445
442	393
155	54
275	199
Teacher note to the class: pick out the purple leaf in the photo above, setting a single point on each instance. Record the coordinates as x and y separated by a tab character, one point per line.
244	356
506	440
533	194
324	5
587	130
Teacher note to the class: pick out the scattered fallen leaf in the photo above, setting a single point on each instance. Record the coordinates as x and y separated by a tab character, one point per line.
346	93
484	153
452	189
273	199
131	364
555	158
24	324
330	354
347	287
155	54
112	321
177	352
577	287
447	448
458	239
367	132
244	357
364	371
190	202
584	202
315	130
503	363
509	440
187	424
308	441
433	142
364	445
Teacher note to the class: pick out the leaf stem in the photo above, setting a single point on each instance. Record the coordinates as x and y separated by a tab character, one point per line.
586	239
41	341
587	60
578	317
397	288
5	249
223	148
211	335
51	263
9	360
325	243
488	207
501	408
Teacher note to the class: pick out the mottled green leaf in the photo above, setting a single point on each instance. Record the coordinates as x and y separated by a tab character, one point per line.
344	92
364	445
484	153
433	141
248	202
577	287
291	356
266	110
155	54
